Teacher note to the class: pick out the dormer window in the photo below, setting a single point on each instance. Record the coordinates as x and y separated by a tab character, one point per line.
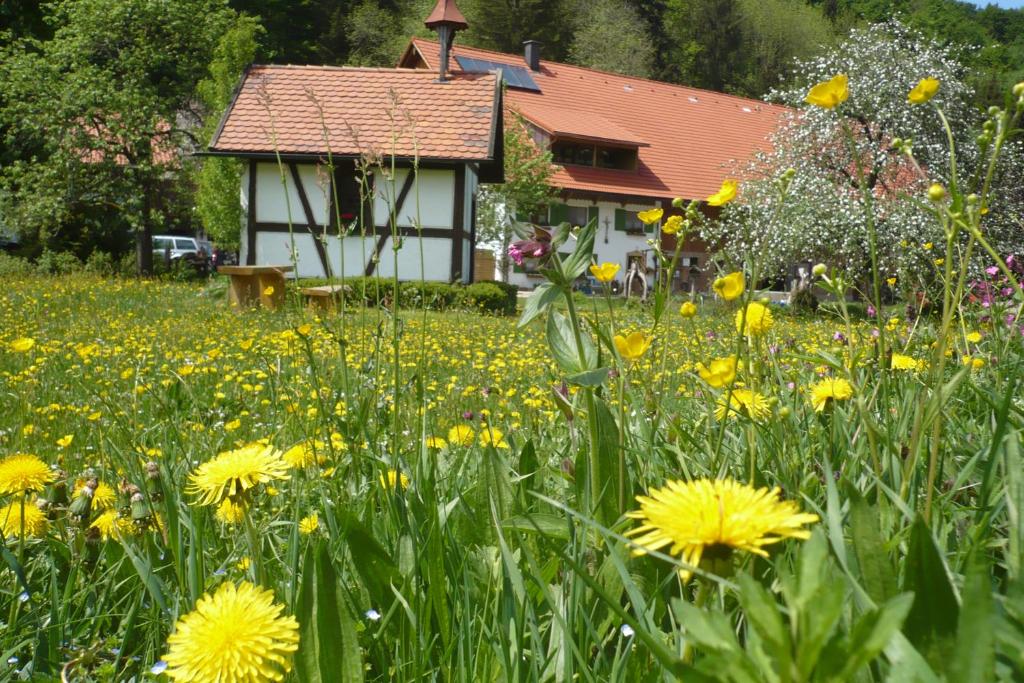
591	154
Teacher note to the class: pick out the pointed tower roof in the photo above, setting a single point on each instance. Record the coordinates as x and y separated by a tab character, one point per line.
446	12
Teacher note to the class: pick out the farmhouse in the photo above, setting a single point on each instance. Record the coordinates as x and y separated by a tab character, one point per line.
350	170
622	144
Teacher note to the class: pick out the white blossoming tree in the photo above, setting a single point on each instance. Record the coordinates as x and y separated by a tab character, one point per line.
823	217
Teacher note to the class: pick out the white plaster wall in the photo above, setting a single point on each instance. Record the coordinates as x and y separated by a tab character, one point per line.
436	263
431	198
243	197
275	248
273	199
613	250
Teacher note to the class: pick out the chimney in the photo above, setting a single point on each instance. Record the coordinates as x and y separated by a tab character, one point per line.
446	19
532	54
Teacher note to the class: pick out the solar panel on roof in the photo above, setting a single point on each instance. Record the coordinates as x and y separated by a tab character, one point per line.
514	76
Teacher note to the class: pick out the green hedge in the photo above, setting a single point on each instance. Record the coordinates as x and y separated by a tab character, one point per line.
496	298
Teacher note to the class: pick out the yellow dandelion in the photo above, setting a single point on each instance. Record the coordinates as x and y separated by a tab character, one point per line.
232	425
304	453
461	435
231	512
309	524
750	403
103	498
755	320
111	525
706	520
233	473
22	344
730	286
720	373
436	442
394	478
236	635
492	436
11	521
633	346
902	362
974	337
23	472
830	390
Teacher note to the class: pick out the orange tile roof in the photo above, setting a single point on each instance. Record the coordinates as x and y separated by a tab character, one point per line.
694	137
575	123
404	112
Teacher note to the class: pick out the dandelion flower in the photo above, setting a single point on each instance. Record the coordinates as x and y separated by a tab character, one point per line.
461	435
233	473
726	193
730	286
436	442
110	524
394	478
830	390
492	436
755	320
22	344
236	635
21	472
304	454
830	93
103	498
709	519
309	524
923	91
974	337
633	346
650	216
605	272
752	404
901	362
720	373
11	520
231	512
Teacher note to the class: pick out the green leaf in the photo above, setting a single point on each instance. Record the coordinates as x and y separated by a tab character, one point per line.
538	302
328	646
608	461
872	633
876	571
582	255
564	347
375	566
974	654
932	622
548	525
710	630
763	613
589	378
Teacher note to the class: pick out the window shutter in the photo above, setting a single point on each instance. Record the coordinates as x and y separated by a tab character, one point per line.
593	213
620	220
650	227
559	214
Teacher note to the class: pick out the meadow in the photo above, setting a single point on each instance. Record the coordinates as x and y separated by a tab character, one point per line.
707	489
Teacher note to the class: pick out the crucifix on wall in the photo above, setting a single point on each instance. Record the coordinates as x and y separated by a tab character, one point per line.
607	225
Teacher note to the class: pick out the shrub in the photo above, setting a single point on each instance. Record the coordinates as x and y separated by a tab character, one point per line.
12	265
100	263
487	297
803	301
434	296
58	263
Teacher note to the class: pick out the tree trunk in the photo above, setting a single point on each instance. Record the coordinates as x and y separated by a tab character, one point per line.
144	237
504	262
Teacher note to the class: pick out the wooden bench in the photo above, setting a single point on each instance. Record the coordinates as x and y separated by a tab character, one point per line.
325	297
256	285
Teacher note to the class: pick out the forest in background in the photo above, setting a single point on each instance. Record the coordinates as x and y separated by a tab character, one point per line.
738	46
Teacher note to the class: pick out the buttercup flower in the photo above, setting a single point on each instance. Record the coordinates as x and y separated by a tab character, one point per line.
830	390
236	635
726	193
923	91
605	272
709	519
672	225
632	347
21	472
829	94
688	309
720	373
22	344
650	216
11	522
730	286
752	404
755	321
232	473
461	435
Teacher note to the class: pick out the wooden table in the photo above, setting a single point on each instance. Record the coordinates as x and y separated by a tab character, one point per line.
256	285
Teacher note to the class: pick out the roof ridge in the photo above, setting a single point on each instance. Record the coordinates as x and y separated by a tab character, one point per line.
330	67
614	74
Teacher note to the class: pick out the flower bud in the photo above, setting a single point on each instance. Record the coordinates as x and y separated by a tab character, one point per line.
972	199
819	270
936	192
784	412
993	111
1018	90
677	202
